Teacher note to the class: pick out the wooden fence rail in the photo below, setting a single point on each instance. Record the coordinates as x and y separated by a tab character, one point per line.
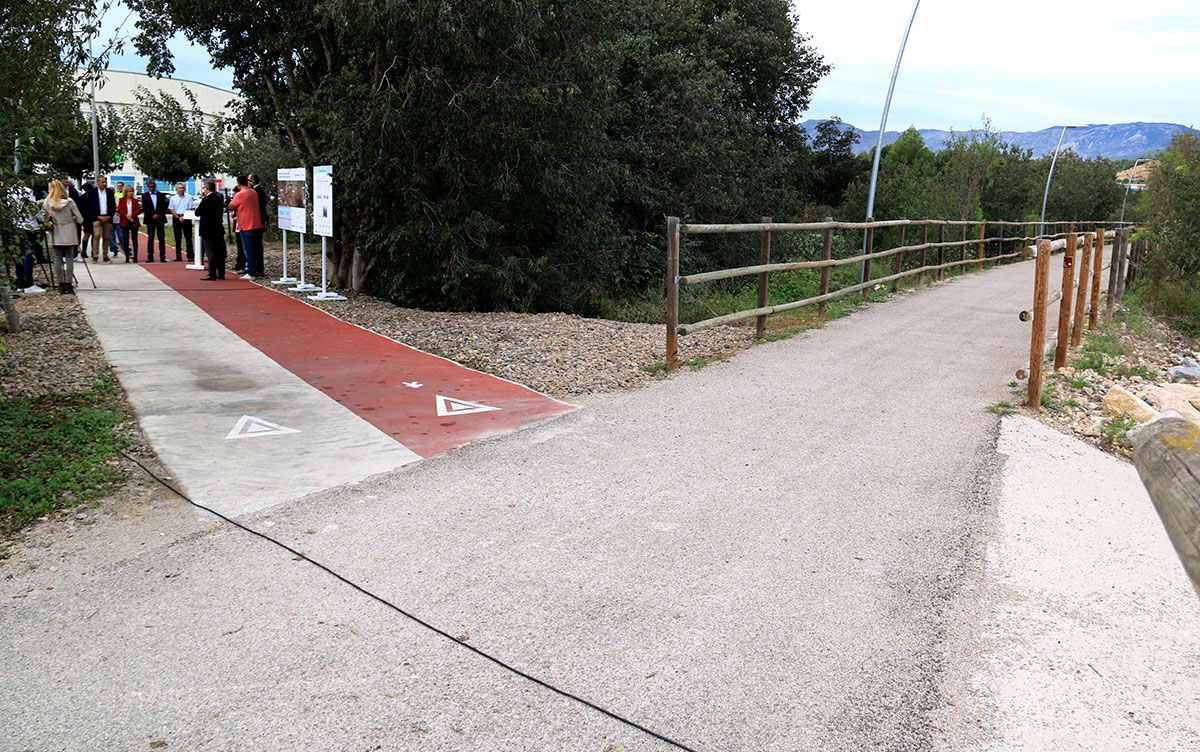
1167	456
1009	247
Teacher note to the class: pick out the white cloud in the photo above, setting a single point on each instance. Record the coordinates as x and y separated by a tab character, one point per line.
1028	64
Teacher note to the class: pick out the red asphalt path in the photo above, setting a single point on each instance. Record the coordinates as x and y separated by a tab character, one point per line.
428	404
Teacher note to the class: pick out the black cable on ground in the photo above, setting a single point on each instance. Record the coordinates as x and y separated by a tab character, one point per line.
441	632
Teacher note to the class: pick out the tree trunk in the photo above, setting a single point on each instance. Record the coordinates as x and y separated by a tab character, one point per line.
10	309
359	271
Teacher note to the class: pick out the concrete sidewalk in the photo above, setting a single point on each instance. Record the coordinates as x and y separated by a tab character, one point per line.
238	431
779	552
252	398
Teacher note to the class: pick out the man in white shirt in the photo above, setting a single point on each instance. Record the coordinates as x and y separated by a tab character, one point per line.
101	204
180	203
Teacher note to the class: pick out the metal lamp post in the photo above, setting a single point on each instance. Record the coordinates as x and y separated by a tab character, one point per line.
887	105
1053	161
1128	183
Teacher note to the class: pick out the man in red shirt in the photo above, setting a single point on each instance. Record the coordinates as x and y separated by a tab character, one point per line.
245	207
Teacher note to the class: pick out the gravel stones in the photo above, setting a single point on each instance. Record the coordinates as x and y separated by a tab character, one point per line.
1077	396
56	351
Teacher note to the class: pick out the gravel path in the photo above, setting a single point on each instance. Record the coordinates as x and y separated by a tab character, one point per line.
557	354
766	554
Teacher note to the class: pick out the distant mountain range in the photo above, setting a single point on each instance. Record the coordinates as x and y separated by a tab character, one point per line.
1119	141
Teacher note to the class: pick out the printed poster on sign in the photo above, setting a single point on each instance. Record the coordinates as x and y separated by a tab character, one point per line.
323	201
292	189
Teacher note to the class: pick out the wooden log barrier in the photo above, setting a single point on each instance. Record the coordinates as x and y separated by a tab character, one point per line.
1167	456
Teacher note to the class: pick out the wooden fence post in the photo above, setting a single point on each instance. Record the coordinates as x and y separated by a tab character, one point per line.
941	273
1113	266
924	252
672	293
826	254
1037	339
1167	456
1064	307
898	260
1097	268
963	250
1124	233
982	236
867	262
1085	280
764	257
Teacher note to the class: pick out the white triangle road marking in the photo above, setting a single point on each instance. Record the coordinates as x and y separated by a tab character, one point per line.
447	406
249	427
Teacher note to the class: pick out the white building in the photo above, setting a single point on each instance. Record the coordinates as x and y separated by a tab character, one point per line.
118	89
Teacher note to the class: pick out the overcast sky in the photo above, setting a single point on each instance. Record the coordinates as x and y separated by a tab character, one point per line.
1027	64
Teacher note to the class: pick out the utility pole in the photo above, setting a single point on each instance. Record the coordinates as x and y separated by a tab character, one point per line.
887	105
95	127
1053	161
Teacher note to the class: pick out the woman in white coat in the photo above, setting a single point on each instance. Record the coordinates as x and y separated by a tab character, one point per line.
64	235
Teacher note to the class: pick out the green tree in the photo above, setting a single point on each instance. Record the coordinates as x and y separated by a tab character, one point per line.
968	161
1082	189
1171	202
1012	192
71	153
168	139
44	42
909	184
517	154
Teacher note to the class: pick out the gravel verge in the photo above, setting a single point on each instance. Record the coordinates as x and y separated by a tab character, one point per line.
556	353
1148	349
56	352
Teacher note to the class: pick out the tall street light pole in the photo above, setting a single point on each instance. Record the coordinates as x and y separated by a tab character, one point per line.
1053	161
1128	183
887	105
95	127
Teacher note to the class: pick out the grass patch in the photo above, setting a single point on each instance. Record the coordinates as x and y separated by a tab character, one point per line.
658	366
1075	382
1105	343
1116	431
1091	362
1050	400
1002	408
703	360
1141	371
55	452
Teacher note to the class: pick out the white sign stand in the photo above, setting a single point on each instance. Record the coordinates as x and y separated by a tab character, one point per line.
324	294
323	225
303	286
286	279
198	254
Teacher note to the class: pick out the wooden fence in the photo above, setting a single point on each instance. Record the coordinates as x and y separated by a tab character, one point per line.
931	256
1167	455
1080	294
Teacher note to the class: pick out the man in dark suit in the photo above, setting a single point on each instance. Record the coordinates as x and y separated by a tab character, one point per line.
211	212
154	217
262	198
99	207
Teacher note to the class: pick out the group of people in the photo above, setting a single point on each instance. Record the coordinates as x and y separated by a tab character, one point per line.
106	222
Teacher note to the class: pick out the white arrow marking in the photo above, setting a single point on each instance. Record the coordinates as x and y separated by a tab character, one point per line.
447	406
412	384
249	427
